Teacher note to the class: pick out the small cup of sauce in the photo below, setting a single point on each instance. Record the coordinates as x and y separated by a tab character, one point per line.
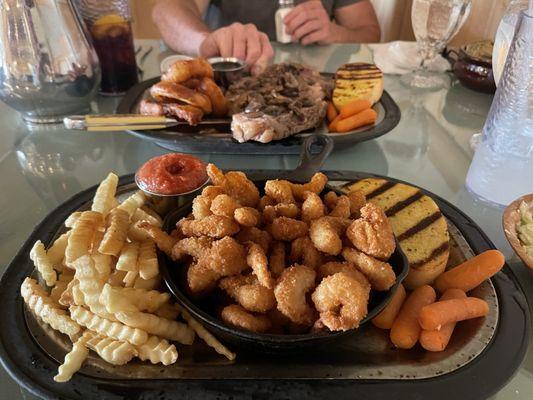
171	177
227	69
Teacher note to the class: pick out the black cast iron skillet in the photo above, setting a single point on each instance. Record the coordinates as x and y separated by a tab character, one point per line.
204	310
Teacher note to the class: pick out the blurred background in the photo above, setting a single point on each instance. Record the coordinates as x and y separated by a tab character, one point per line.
394	17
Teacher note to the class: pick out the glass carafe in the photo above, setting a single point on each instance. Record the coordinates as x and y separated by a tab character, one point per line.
502	168
48	66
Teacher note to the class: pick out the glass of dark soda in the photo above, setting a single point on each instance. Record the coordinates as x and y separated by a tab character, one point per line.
109	23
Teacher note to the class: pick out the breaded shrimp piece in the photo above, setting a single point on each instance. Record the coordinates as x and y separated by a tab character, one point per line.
247	216
215	226
304	251
235	184
312	207
316	185
332	267
258	261
372	233
289	210
224	205
238	317
225	256
379	273
290	292
357	201
330	200
256	235
201	279
280	190
277	258
201	207
342	207
341	301
326	234
264	201
192	246
212	191
287	229
249	293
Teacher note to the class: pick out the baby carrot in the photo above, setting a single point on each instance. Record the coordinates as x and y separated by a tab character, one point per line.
405	329
436	315
365	117
331	112
386	317
437	340
354	107
333	125
471	273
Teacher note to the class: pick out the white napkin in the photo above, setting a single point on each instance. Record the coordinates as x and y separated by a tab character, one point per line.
398	58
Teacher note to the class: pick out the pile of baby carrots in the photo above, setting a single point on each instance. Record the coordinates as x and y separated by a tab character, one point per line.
353	115
417	317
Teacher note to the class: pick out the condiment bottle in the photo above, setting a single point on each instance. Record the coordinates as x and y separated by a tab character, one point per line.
285	6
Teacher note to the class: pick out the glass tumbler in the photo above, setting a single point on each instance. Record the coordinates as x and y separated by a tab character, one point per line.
502	168
109	22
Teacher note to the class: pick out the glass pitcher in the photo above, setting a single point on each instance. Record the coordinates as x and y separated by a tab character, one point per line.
48	66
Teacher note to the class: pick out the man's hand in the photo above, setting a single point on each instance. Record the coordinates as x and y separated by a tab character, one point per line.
241	41
309	23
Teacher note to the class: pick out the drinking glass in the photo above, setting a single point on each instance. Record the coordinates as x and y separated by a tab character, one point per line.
435	22
502	168
109	22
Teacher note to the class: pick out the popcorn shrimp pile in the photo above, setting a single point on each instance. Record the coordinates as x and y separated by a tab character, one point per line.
290	261
104	282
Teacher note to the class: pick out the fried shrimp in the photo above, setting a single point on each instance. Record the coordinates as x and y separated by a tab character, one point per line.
342	208
201	207
216	226
289	210
249	293
312	207
247	216
341	301
304	251
256	235
379	273
372	233
357	201
265	201
258	261
192	246
290	291
287	229
225	256
238	317
224	205
280	191
212	191
201	279
333	267
326	234
330	200
277	261
235	184
316	185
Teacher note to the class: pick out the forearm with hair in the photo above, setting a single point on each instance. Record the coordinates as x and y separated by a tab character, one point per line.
181	26
363	34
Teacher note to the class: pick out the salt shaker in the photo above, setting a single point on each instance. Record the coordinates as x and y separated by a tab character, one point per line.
285	7
502	168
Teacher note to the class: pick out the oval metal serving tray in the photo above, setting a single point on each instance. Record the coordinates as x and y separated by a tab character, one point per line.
217	139
482	355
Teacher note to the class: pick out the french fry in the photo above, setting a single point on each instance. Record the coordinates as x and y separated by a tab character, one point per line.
116	278
81	236
61	284
158	326
116	232
133	202
130	278
168	311
114	330
207	337
141	214
148	284
118	299
163	240
147	261
105	194
43	263
127	261
67	299
137	234
157	351
72	218
73	360
43	307
115	352
56	252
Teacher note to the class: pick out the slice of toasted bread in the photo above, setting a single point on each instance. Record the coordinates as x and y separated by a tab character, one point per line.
357	81
417	223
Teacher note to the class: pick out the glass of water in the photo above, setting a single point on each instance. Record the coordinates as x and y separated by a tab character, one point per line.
435	22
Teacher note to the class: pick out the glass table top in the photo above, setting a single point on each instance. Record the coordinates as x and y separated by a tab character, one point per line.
42	166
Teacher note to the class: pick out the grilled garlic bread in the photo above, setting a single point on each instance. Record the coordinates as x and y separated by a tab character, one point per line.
357	81
417	223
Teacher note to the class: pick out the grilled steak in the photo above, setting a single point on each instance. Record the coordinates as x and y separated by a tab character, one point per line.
283	100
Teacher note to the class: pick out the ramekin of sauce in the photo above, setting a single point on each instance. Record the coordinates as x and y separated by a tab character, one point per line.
173	174
227	69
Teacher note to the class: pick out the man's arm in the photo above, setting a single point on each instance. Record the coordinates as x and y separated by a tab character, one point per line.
180	23
309	23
